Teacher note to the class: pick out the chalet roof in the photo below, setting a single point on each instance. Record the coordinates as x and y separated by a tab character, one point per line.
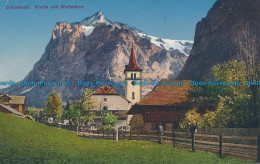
105	90
165	96
11	110
132	66
14	99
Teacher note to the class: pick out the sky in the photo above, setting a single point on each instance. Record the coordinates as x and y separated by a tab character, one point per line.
24	34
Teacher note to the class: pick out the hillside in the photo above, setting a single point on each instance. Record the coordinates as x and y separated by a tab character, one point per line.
24	141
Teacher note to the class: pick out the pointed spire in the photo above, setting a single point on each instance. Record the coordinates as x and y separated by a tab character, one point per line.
132	66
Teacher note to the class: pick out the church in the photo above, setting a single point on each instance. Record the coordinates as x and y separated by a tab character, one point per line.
165	105
110	99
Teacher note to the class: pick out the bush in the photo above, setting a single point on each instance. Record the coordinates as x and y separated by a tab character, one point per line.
108	128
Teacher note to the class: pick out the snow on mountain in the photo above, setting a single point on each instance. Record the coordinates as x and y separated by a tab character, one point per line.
95	19
88	29
168	44
90	23
27	90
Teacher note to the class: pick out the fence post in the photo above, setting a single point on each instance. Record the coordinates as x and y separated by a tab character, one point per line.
93	133
103	134
130	135
173	138
123	134
108	134
98	133
258	148
138	135
220	146
192	141
159	139
147	135
117	133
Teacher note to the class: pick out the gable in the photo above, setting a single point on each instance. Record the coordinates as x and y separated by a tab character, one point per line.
105	90
5	98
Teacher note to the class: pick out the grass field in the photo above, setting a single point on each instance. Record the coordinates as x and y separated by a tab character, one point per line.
25	141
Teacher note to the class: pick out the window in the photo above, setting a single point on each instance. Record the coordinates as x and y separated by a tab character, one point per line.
105	99
133	95
132	76
135	76
133	82
105	108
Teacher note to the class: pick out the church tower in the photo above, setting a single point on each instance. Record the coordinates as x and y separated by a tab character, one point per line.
133	73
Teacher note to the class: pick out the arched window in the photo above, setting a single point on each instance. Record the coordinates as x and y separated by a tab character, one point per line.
133	95
134	75
105	108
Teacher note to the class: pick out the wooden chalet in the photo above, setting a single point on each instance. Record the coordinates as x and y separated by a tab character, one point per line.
165	104
15	102
9	110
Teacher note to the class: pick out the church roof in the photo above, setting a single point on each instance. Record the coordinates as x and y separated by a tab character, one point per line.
108	90
132	66
105	90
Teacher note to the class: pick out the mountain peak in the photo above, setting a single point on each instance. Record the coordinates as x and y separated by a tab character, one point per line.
95	19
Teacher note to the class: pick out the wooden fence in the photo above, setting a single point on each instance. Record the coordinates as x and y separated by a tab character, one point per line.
247	147
222	145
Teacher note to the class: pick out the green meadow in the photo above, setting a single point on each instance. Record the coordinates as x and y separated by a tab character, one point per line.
25	141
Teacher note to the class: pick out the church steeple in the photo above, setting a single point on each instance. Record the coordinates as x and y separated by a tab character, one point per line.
133	74
132	66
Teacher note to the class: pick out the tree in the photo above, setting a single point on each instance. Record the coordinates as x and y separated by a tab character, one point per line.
36	113
53	106
109	119
192	116
87	104
101	110
229	72
82	112
74	114
233	103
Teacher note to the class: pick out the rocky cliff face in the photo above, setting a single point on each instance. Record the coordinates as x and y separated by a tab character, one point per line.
216	35
98	50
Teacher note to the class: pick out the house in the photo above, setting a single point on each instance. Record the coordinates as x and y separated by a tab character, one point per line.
15	102
111	100
165	105
9	110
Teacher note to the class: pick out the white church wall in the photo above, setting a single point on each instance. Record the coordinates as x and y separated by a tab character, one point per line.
112	102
